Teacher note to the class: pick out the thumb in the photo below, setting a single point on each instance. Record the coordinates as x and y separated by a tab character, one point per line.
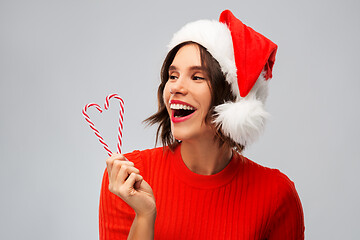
138	182
133	182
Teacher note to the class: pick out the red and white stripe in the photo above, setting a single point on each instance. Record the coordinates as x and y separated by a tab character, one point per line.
121	118
106	106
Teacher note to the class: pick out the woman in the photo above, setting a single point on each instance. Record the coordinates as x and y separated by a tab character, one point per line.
198	186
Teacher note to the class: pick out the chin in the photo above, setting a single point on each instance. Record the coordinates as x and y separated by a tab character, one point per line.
182	134
186	134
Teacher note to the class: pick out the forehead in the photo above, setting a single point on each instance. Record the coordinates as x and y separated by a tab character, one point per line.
188	55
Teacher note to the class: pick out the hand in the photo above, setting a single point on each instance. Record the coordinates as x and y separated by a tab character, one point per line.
126	182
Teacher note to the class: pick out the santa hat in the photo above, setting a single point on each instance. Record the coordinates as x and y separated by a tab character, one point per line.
246	59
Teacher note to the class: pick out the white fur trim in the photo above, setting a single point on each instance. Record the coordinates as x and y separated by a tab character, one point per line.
217	40
244	120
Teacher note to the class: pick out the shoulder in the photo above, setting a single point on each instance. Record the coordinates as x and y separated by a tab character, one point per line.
286	212
275	185
273	177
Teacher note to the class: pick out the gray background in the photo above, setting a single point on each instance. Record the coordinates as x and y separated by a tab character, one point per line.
56	56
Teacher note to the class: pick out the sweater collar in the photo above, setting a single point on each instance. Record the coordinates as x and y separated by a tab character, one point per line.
205	181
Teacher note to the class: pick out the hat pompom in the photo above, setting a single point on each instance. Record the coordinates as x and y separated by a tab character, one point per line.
244	120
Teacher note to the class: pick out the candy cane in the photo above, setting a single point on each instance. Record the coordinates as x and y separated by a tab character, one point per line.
121	118
97	133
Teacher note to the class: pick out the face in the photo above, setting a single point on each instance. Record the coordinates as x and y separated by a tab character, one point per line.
187	95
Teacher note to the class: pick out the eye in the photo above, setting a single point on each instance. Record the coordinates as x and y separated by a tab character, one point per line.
173	75
198	78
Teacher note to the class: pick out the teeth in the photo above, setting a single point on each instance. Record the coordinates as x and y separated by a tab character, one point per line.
181	106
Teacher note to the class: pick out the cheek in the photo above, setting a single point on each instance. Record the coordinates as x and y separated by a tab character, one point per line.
166	93
206	98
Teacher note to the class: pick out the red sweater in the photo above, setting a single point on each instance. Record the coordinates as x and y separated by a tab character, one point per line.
243	201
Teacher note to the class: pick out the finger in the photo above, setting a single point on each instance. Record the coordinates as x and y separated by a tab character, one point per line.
124	173
114	157
110	161
114	170
138	183
117	165
133	180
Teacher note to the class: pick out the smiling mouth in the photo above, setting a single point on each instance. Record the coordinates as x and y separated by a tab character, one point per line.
181	110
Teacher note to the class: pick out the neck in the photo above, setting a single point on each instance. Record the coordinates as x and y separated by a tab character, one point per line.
205	157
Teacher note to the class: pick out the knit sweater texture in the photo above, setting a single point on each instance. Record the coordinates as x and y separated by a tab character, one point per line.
243	201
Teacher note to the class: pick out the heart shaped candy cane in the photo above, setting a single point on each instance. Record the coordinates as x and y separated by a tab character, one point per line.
106	106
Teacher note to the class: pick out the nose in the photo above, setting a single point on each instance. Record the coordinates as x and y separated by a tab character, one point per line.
179	86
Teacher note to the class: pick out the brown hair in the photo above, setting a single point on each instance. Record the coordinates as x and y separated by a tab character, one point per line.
220	95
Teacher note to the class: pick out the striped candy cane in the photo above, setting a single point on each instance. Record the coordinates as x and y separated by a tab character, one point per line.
92	126
121	118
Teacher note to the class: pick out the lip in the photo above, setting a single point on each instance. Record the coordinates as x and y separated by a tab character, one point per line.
180	102
180	119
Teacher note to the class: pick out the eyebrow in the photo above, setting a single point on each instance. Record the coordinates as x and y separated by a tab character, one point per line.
192	68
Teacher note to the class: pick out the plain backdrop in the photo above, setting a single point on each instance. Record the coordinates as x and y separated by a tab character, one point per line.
57	56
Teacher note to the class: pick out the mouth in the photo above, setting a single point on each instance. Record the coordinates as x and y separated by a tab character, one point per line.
181	111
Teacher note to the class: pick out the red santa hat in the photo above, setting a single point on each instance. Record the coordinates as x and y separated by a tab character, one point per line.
246	59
